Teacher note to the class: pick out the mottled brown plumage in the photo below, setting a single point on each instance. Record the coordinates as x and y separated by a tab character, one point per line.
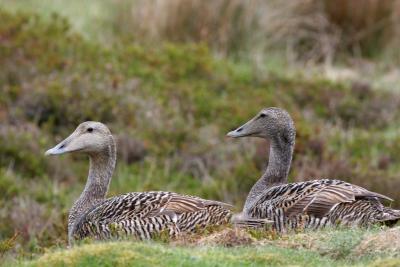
310	204
138	214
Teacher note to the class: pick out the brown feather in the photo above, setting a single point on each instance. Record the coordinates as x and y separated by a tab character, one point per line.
320	202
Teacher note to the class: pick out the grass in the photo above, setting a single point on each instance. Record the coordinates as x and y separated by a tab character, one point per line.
88	20
320	248
150	254
307	30
199	257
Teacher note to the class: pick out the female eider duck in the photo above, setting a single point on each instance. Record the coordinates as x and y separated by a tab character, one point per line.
138	214
310	204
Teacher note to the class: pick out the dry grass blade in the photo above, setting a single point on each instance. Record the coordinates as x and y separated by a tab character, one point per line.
386	241
8	244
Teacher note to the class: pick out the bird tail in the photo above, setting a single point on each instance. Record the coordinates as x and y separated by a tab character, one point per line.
390	216
241	221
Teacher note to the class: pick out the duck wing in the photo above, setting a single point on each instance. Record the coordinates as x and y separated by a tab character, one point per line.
178	204
322	196
139	205
315	197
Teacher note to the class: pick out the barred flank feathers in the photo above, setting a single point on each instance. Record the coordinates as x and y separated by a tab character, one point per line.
319	203
144	214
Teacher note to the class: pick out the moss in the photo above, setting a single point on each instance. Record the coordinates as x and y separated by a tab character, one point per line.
229	247
282	252
385	262
143	254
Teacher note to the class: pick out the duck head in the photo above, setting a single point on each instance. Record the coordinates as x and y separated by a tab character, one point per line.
269	123
89	137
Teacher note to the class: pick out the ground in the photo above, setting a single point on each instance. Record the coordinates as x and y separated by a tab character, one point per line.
237	247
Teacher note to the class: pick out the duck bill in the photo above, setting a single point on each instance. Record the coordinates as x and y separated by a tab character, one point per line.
246	129
65	146
57	150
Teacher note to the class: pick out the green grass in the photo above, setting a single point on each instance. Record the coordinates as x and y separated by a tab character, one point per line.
151	254
321	248
89	18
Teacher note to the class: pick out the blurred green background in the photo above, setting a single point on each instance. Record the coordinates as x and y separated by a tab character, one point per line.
171	78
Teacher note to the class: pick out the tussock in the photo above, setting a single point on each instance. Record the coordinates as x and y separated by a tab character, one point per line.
231	237
387	241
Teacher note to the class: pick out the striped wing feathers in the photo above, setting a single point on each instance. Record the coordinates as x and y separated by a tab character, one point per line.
148	204
143	214
321	201
179	204
319	197
360	192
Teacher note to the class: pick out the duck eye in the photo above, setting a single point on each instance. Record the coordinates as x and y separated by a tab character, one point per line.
262	115
90	129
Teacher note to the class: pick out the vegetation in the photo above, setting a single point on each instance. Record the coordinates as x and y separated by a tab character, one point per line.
345	247
310	30
169	105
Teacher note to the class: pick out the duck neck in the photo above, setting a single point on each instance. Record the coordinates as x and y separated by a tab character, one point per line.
101	168
280	158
